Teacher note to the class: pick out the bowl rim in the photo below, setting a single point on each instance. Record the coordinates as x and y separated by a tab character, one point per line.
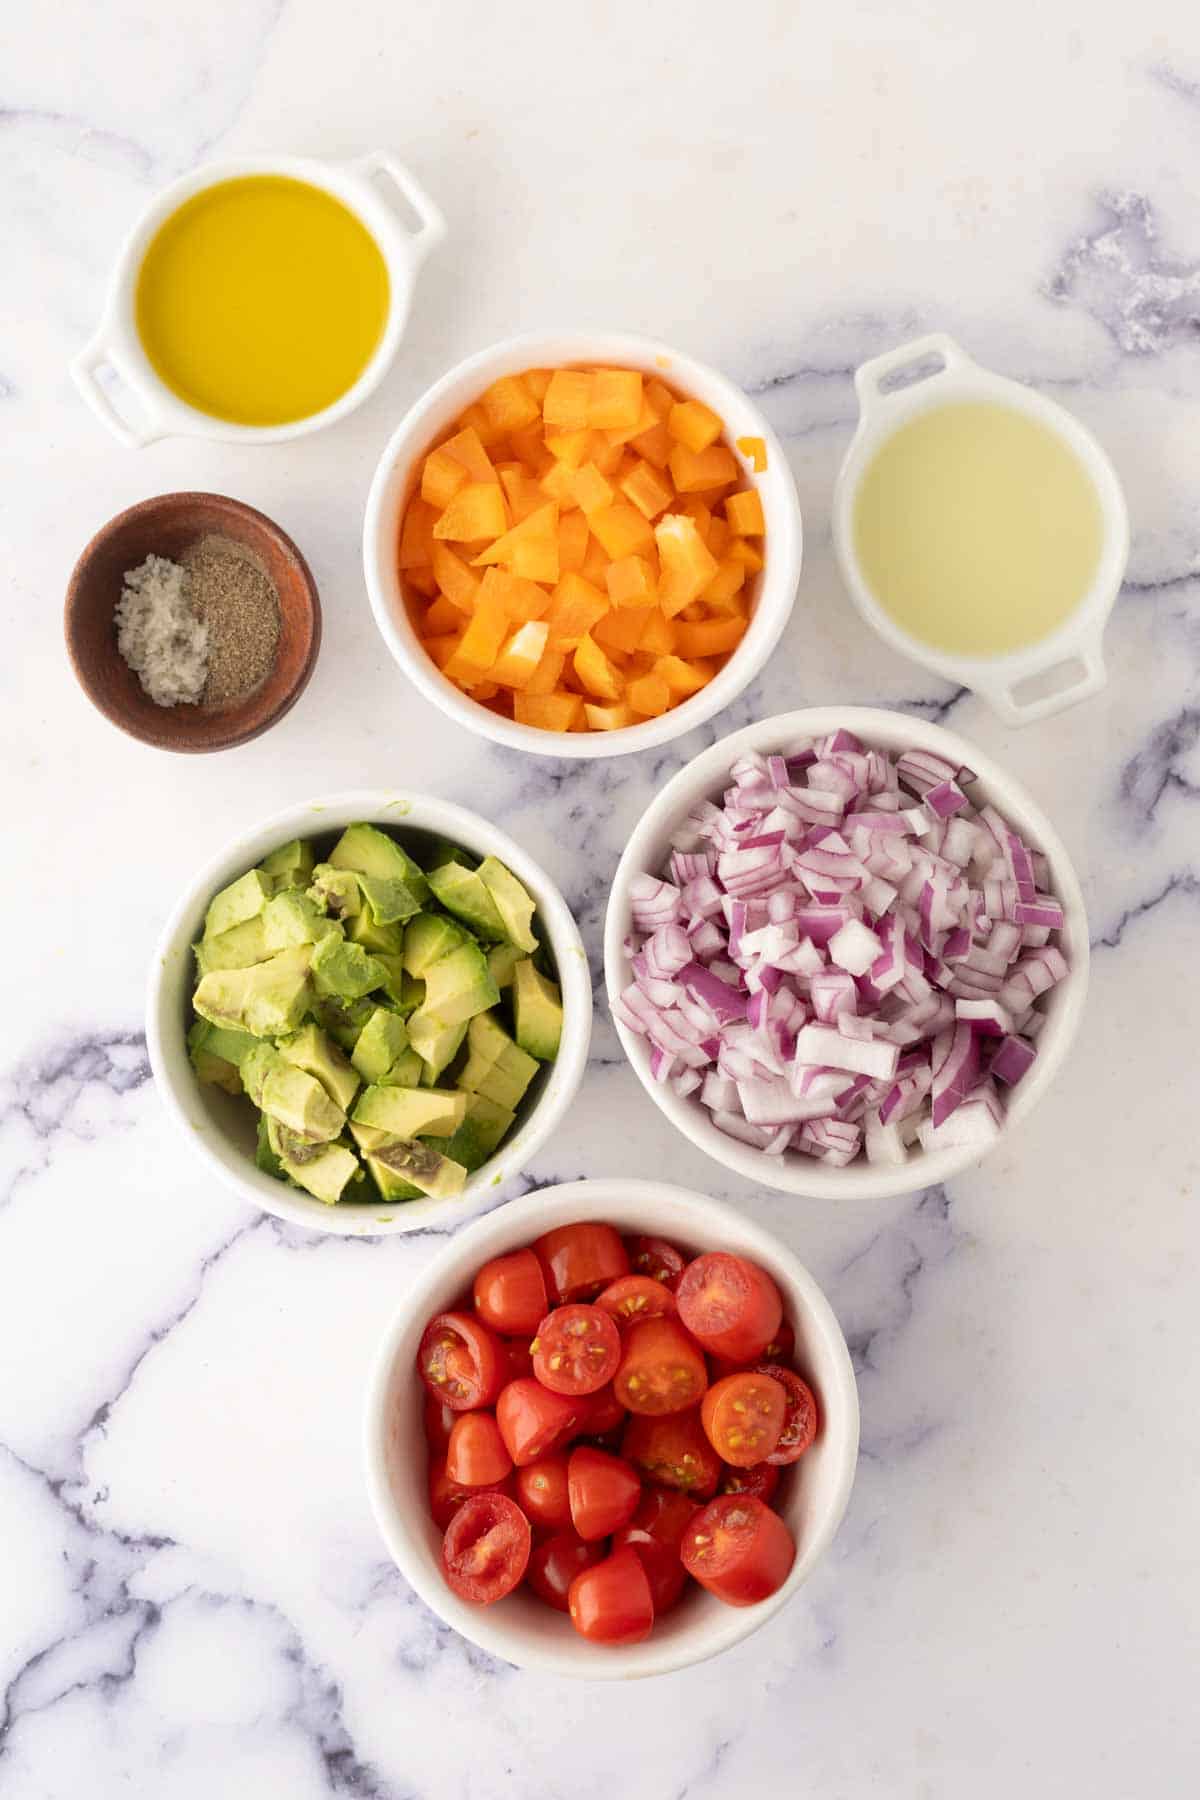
540	1210
399	808
777	589
157	506
804	1175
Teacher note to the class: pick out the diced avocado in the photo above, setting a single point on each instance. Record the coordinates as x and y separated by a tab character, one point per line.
380	1042
462	893
502	960
290	866
410	1111
406	1071
226	1041
426	939
322	1170
298	1100
256	1065
312	1050
402	991
369	851
215	1053
537	1012
264	1156
477	1137
365	929
343	970
342	1019
436	1044
292	918
236	948
513	902
442	851
497	1068
431	1173
391	1186
335	891
214	1071
459	985
392	902
243	899
267	1000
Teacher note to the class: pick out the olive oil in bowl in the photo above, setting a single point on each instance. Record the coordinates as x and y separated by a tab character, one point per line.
977	528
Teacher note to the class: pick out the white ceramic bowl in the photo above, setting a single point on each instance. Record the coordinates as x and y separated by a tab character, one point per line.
221	1127
521	1628
464	384
706	778
158	412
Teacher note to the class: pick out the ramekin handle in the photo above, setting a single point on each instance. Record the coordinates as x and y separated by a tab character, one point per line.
1084	675
878	381
84	370
432	228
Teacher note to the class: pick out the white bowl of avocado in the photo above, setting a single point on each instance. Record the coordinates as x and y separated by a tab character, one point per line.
370	1011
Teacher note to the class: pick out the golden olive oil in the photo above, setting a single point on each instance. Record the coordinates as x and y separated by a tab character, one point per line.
977	528
262	300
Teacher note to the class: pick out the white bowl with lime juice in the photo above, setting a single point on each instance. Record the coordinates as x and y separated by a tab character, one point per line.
980	528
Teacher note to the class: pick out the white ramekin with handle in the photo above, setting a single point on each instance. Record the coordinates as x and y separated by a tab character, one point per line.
1040	678
134	402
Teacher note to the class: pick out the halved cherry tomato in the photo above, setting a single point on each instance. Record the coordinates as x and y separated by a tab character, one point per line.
611	1602
486	1548
446	1496
780	1350
738	1549
603	1490
576	1350
632	1298
542	1493
605	1412
673	1451
761	1481
510	1293
520	1358
439	1421
461	1361
554	1564
801	1420
579	1260
476	1456
662	1370
654	1257
743	1416
655	1532
731	1305
533	1421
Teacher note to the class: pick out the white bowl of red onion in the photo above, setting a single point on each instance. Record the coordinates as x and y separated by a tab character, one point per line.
845	953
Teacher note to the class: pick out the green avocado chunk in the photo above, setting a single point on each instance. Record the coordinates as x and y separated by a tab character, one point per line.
380	1042
406	1071
322	1170
537	1012
312	1050
345	971
243	899
425	1169
215	1053
298	1100
426	939
436	1044
236	948
264	1156
496	1067
408	1112
256	1065
342	1019
462	893
292	918
512	900
335	891
268	999
369	851
364	929
290	866
459	985
502	960
476	1139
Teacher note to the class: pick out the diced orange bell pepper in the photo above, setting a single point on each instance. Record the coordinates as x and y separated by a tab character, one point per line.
440	617
718	536
530	549
481	640
454	578
754	449
520	655
658	635
476	420
590	488
745	514
529	447
523	493
607	457
421	581
621	630
616	399
608	718
576	605
687	564
648	488
728	581
621	530
595	671
712	637
682	678
558	711
558	484
693	425
466	447
647	419
522	600
566	404
696	509
441	477
548	674
693	471
648	695
441	649
746	553
416	535
570	447
476	512
509	404
660	397
631	581
572	540
654	445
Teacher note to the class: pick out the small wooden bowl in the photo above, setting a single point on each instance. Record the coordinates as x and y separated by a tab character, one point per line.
165	526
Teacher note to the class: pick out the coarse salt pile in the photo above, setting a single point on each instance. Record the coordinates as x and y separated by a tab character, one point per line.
845	958
159	635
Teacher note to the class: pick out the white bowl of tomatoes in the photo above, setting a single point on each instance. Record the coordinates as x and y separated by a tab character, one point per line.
611	1430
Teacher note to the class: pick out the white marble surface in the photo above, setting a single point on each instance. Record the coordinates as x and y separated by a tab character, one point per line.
193	1598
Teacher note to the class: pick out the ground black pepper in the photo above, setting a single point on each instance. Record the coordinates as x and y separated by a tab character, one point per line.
231	593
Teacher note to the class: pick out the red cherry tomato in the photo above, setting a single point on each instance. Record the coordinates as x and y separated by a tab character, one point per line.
673	1451
461	1361
603	1491
510	1293
605	1412
801	1419
662	1370
554	1564
486	1548
576	1350
632	1298
579	1260
743	1417
655	1533
611	1603
533	1421
446	1496
476	1456
780	1350
761	1481
654	1257
439	1421
738	1549
520	1358
542	1493
730	1305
